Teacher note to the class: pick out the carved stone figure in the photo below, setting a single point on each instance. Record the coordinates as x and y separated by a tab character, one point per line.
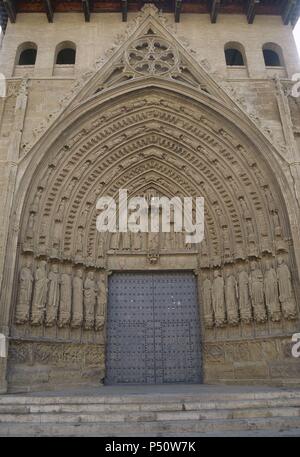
226	241
208	193
79	241
53	296
57	236
34	207
39	295
77	312
244	299
170	239
203	258
231	299
180	240
256	288
250	231
138	241
207	303
263	225
277	226
30	230
65	303
90	290
101	245
221	217
270	199
126	240
244	206
25	294
153	241
83	217
80	170
61	210
70	188
101	304
45	179
218	299
115	241
286	296
271	293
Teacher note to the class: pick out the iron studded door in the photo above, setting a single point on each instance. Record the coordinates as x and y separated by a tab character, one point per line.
153	332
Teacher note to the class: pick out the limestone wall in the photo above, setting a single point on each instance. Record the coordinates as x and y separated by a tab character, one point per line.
96	36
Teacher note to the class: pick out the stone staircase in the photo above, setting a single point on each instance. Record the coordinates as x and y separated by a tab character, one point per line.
210	411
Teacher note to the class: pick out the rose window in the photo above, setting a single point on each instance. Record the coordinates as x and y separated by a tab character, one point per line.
151	55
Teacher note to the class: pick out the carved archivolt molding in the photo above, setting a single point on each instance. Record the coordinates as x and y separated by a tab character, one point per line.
153	143
184	152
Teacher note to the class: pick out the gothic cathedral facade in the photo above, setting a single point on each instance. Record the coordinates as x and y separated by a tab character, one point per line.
161	105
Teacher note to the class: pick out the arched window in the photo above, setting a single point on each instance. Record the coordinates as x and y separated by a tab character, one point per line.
26	54
273	56
234	55
65	54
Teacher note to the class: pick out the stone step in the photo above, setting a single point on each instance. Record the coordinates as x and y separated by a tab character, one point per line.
80	407
147	398
150	416
208	411
275	425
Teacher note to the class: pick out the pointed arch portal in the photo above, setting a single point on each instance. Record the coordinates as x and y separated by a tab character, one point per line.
158	126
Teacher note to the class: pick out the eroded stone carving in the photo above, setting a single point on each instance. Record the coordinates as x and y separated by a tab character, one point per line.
271	293
101	303
231	297
25	294
28	245
90	293
65	303
34	207
244	298
207	302
77	311
256	288
218	299
39	294
53	296
286	295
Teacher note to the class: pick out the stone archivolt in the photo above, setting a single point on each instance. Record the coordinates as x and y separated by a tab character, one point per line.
187	157
164	146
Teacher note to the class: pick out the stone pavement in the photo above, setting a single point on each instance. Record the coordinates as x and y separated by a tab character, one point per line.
159	411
